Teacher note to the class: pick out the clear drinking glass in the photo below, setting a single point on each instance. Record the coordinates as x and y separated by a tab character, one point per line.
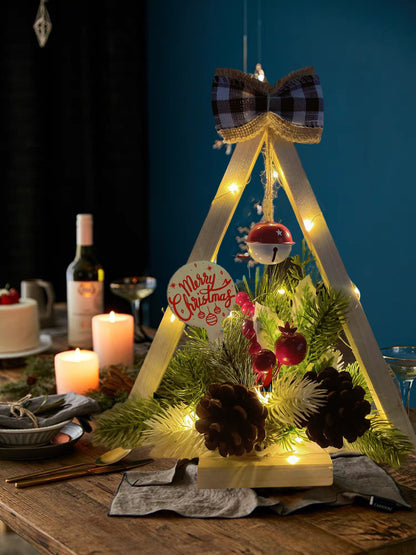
135	289
402	361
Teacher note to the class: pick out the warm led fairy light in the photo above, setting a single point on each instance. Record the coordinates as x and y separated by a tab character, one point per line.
233	188
281	291
356	291
189	420
263	396
308	224
172	318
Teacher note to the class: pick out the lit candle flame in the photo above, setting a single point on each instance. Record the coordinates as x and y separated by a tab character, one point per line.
77	355
112	316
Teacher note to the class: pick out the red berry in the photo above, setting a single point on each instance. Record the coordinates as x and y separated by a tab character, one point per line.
291	347
248	309
6	299
247	329
242	298
255	347
264	360
14	295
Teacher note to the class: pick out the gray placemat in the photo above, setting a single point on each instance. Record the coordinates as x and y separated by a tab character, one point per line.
355	478
74	405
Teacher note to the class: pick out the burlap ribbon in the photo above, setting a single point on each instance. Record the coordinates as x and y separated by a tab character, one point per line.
243	106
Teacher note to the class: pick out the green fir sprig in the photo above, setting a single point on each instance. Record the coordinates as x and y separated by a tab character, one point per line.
383	443
123	424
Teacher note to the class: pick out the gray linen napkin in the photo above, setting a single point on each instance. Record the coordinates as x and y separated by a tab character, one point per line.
75	405
356	477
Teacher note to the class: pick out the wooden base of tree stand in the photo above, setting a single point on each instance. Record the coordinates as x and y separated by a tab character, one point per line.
296	186
308	465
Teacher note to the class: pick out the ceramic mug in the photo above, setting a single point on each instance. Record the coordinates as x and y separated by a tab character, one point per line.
42	291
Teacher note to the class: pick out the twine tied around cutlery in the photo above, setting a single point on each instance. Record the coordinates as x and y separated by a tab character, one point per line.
18	409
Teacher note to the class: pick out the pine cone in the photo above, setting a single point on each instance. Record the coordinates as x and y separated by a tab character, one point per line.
232	419
344	413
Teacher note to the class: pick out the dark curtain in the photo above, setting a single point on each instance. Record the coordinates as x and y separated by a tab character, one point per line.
73	138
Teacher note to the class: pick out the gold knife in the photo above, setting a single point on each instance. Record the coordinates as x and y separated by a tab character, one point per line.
55	470
78	473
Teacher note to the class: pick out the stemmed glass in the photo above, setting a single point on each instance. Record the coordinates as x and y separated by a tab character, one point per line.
135	289
402	361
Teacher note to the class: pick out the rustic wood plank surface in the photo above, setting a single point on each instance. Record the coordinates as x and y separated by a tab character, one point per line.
71	518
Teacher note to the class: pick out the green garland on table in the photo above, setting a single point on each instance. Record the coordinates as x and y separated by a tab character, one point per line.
38	378
285	292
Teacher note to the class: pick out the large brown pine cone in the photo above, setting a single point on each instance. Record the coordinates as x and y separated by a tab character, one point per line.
232	419
344	414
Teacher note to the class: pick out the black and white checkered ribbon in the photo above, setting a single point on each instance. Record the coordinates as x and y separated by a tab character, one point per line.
238	99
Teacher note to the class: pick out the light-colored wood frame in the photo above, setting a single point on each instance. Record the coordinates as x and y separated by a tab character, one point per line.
321	244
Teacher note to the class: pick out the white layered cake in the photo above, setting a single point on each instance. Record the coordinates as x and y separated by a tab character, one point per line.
19	326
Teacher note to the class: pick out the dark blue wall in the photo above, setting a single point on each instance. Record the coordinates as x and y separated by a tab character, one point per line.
362	172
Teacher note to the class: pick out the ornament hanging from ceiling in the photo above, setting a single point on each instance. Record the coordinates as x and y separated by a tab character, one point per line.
43	24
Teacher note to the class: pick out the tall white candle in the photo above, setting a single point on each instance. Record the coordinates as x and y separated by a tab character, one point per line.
76	371
113	338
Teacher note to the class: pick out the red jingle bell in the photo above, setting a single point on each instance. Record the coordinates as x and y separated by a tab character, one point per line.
269	242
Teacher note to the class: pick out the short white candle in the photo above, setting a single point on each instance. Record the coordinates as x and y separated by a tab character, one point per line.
76	371
113	338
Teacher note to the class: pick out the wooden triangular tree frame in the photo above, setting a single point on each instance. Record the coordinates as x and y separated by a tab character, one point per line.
320	242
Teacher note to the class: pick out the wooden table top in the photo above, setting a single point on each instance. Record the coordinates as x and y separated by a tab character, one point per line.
71	517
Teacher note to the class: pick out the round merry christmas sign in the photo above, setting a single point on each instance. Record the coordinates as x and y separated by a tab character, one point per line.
202	294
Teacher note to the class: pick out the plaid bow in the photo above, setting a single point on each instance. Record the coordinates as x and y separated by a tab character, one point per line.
243	106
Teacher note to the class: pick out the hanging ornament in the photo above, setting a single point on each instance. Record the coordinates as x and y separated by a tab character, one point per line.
195	293
43	24
291	347
269	242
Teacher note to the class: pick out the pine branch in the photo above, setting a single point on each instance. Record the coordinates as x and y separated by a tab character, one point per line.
324	316
122	425
172	433
383	443
294	399
286	437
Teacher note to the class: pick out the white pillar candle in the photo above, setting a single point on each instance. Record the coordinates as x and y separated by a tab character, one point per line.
113	338
76	371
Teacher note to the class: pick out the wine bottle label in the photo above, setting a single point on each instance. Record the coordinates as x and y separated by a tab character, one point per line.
85	299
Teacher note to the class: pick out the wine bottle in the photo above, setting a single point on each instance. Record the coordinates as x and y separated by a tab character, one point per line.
84	286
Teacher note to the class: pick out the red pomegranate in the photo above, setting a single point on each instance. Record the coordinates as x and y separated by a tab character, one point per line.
291	347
